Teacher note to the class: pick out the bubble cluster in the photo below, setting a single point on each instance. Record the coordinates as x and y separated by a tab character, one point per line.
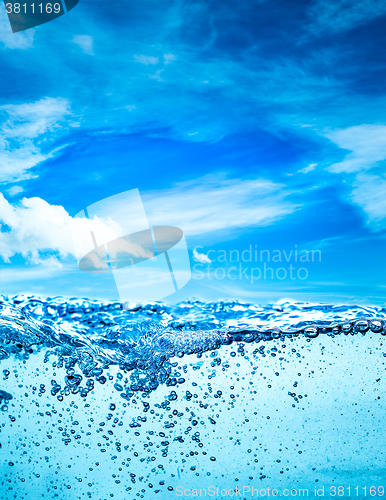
141	339
150	393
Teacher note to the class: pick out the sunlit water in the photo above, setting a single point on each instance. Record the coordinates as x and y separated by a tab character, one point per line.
98	401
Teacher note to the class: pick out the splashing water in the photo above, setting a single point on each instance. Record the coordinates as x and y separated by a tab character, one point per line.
92	352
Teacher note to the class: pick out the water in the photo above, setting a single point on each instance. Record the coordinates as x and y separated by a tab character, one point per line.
150	401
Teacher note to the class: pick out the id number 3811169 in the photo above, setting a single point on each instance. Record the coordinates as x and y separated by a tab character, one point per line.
17	8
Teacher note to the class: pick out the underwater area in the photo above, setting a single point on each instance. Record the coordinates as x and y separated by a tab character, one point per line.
102	400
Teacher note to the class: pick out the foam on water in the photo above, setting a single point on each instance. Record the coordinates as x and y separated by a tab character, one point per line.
93	335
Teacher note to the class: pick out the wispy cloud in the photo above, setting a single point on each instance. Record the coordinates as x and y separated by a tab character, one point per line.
146	60
212	69
22	133
36	230
14	190
307	169
169	58
215	203
85	42
367	144
260	86
26	121
23	40
370	194
338	15
157	76
363	169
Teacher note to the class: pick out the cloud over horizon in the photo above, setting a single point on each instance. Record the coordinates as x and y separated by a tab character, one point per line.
34	228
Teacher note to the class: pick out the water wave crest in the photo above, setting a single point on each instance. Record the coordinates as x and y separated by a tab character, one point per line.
88	336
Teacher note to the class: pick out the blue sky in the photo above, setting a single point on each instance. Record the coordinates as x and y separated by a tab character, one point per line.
244	123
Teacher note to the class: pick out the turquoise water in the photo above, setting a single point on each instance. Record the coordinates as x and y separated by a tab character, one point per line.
157	401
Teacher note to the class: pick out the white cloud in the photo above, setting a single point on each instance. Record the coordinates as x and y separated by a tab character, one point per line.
201	257
34	228
16	163
85	42
360	168
157	76
14	190
20	133
215	203
23	40
169	58
307	169
39	231
146	60
367	144
370	194
26	121
22	274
